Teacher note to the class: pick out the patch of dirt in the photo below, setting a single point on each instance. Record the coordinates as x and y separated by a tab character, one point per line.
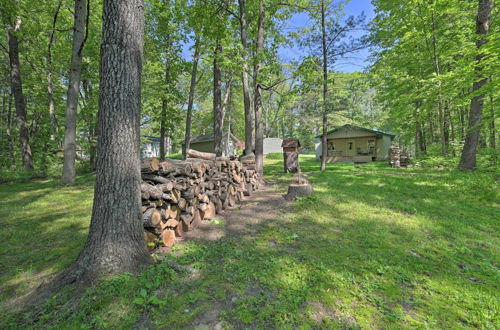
321	312
264	205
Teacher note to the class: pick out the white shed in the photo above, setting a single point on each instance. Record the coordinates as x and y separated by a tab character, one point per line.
272	145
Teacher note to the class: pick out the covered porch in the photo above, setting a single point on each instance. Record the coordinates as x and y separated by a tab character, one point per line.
357	150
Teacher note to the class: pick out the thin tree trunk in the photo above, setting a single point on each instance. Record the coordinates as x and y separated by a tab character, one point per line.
229	113
324	147
69	172
247	100
217	100
91	124
192	88
259	125
162	128
50	84
17	90
9	132
468	158
164	105
493	132
116	238
446	127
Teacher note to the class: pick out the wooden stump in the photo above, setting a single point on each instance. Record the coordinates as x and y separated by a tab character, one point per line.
298	190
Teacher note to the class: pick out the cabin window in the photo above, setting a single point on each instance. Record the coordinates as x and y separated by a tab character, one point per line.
350	145
331	146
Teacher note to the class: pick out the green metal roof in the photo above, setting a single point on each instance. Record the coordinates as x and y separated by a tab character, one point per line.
349	126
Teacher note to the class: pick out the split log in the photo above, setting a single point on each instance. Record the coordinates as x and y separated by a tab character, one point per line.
155	178
209	212
196	222
175	212
248	189
150	165
151	218
202	155
151	191
168	237
179	230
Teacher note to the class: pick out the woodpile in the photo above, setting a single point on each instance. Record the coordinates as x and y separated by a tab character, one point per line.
178	194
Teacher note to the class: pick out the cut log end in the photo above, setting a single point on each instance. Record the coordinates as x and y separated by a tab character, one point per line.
298	190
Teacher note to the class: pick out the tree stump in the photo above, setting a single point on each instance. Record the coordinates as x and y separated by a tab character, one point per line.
300	187
298	190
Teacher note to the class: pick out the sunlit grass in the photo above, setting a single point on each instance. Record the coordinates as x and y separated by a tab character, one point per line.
373	247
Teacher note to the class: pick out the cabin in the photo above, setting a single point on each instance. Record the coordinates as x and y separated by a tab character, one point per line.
350	143
205	143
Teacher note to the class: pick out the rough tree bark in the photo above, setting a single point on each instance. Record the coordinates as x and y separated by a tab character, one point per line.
259	125
17	90
69	172
192	87
50	84
9	132
324	147
247	100
468	158
116	238
217	101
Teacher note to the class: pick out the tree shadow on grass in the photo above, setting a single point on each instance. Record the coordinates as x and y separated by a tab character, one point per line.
44	226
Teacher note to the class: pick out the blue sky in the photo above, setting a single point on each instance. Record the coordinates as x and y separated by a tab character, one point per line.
288	54
358	63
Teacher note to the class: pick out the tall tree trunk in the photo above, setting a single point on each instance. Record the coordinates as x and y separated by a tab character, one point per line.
91	124
493	132
324	147
229	114
164	105
468	158
162	128
192	88
259	124
418	139
69	172
116	238
446	127
247	100
9	132
17	90
217	100
54	126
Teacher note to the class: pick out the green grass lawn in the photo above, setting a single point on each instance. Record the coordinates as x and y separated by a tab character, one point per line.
373	247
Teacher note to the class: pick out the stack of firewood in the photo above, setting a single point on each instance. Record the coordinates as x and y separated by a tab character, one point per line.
178	194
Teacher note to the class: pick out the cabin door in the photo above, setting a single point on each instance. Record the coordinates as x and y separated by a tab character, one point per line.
350	147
